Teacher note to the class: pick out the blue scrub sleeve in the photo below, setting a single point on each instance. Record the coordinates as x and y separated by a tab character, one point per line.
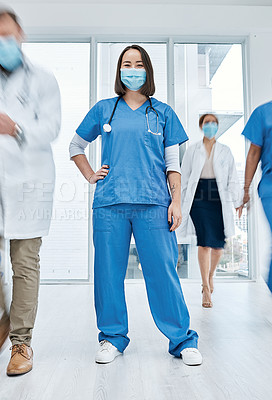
174	132
253	130
89	128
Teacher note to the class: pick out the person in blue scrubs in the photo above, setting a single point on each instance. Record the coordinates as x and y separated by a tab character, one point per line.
258	131
132	196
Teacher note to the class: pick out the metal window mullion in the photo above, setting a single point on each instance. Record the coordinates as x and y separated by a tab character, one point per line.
92	149
253	236
170	73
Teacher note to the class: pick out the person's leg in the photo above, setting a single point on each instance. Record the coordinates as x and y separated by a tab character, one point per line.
24	254
25	259
3	307
204	260
3	310
4	327
111	236
4	317
158	252
267	206
204	254
2	296
215	258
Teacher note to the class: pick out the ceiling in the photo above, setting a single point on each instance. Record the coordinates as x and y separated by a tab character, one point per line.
163	2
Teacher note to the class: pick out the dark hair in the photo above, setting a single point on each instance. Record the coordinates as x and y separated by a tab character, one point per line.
148	89
201	119
5	11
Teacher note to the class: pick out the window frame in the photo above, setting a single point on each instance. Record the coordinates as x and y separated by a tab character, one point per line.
170	41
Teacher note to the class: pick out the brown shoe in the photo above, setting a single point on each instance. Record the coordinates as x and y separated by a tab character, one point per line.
21	360
4	329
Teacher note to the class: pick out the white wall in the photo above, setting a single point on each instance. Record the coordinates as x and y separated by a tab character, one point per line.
261	91
192	22
143	18
215	22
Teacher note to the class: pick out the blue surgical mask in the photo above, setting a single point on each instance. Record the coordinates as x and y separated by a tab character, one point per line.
133	78
10	53
210	129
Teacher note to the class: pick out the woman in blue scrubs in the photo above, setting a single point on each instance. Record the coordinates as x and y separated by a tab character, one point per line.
258	131
132	197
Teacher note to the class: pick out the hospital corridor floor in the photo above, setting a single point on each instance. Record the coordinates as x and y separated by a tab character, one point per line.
235	341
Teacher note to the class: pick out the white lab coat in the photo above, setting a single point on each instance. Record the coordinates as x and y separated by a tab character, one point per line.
27	173
227	181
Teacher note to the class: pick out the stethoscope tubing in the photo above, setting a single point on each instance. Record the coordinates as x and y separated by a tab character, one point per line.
107	127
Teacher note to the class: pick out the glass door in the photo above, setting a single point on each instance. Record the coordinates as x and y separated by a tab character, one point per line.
209	78
64	253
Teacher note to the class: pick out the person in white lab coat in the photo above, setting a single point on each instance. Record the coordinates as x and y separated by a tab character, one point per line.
210	188
29	122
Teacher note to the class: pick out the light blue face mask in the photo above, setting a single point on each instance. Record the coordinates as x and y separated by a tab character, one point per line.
10	53
210	129
133	78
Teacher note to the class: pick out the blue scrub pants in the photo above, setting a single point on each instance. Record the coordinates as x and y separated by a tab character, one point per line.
267	206
158	253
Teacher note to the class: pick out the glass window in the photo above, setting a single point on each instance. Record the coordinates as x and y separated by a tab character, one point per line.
64	253
107	57
209	78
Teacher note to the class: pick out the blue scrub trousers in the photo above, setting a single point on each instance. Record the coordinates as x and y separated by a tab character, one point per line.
158	253
267	206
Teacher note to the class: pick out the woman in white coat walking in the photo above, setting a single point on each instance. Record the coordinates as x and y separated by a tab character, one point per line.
210	188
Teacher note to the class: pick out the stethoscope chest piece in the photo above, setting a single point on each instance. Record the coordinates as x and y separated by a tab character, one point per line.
107	128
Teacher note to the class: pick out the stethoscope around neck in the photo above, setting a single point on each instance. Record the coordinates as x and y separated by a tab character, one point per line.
107	127
24	94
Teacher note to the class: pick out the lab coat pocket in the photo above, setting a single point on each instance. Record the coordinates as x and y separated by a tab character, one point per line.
102	221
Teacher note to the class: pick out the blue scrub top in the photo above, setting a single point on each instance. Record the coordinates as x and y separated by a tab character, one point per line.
259	131
137	173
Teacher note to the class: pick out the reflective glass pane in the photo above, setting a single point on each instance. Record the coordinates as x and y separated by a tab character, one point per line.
209	78
64	253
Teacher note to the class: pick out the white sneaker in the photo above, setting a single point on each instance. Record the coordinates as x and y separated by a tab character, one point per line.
191	356
107	353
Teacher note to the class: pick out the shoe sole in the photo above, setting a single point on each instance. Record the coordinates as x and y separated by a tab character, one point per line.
108	362
192	365
18	374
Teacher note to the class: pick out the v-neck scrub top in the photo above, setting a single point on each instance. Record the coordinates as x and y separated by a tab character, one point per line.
259	131
137	171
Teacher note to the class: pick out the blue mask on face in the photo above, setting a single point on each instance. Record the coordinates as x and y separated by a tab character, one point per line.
10	53
210	129
133	78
